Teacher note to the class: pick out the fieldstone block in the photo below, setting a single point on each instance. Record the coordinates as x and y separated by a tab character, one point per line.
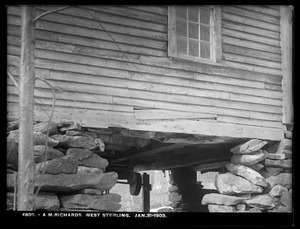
276	156
66	164
39	153
278	190
38	138
256	167
106	202
216	198
45	201
273	170
43	127
262	201
286	164
249	147
88	158
229	183
241	207
284	179
247	173
220	208
70	182
249	159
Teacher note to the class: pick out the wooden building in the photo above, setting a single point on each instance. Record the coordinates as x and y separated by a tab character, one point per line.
163	86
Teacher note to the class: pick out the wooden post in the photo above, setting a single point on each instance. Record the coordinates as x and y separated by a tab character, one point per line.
286	35
146	193
26	96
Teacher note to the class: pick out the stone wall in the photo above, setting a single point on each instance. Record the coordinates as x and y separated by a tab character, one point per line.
71	177
256	180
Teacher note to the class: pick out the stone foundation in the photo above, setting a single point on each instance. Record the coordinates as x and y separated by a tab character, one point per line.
256	180
70	175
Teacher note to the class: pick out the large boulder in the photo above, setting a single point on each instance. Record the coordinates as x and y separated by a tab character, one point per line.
66	164
247	173
248	147
249	159
284	179
105	202
264	201
39	153
229	183
216	198
88	158
70	182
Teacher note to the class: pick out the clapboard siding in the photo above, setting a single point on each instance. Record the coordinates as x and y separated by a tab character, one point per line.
112	60
257	28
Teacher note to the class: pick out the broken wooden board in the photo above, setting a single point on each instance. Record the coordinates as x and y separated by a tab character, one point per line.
248	147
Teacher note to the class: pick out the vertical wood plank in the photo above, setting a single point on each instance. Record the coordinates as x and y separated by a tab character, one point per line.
286	35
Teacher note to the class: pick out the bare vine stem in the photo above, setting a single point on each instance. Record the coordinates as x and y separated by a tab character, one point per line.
49	12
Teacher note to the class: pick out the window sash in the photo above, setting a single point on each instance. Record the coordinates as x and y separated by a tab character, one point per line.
215	35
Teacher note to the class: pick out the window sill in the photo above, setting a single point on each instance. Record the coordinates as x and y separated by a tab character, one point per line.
195	61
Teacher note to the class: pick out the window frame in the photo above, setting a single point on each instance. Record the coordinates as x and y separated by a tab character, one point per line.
216	37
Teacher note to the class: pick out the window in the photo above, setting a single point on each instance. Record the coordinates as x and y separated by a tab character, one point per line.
195	33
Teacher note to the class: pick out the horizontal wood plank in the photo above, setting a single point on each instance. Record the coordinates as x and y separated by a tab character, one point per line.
252	68
251	53
251	61
160	114
265	10
251	14
251	44
250	29
128	57
251	37
163	10
250	22
98	119
133	13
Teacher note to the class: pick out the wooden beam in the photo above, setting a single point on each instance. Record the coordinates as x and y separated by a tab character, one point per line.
147	152
286	34
146	192
210	166
26	100
184	162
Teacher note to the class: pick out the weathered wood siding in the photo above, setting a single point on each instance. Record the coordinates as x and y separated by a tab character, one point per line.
112	67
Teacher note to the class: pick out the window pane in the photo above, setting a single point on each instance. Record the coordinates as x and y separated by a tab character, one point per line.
193	48
181	11
181	45
205	50
204	33
181	28
193	30
193	13
204	16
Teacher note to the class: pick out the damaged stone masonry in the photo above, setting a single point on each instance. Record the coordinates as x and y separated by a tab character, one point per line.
74	176
256	180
